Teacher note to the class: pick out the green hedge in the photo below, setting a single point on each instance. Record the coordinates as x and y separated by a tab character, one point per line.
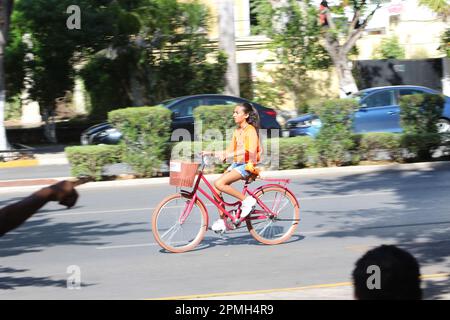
146	133
420	146
335	138
419	113
369	144
292	153
218	117
90	160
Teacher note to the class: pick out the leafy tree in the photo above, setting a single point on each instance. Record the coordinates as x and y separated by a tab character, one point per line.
389	48
445	43
127	48
6	7
165	57
441	7
295	35
340	35
55	48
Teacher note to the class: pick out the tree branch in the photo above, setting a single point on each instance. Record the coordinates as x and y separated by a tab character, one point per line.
356	33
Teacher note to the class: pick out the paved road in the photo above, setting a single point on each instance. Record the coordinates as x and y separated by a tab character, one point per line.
37	172
343	215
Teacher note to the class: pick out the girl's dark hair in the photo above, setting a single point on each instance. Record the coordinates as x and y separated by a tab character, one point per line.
253	116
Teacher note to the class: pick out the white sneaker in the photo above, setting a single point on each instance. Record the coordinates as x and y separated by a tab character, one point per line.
219	226
247	206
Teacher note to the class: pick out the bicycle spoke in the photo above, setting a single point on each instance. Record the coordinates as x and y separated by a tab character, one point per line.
175	226
268	225
172	233
281	220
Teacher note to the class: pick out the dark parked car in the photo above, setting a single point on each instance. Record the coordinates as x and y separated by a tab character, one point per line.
182	117
379	112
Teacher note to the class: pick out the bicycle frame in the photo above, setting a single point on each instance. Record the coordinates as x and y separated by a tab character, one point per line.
256	214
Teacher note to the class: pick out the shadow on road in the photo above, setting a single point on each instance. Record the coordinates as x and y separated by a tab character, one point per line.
39	234
11	281
416	218
214	241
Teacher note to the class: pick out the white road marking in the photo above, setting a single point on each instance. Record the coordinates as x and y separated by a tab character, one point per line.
55	215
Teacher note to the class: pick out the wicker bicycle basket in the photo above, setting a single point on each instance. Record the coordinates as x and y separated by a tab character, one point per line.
182	173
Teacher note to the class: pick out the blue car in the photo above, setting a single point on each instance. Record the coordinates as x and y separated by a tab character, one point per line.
379	112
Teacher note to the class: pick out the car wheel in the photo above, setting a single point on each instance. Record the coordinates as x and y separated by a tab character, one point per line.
443	126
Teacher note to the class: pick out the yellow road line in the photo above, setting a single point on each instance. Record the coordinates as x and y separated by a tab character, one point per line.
19	163
202	296
319	286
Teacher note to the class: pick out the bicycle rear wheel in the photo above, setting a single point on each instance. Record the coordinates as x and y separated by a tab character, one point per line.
279	226
174	232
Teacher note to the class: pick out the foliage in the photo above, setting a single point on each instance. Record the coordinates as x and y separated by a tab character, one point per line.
135	52
163	56
215	119
90	160
146	132
13	108
293	153
267	94
445	43
421	145
441	7
295	35
419	113
335	137
389	48
371	143
297	152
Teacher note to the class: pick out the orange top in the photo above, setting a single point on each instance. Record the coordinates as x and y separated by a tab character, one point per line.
245	139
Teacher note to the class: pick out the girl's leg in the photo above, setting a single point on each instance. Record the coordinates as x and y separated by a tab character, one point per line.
224	184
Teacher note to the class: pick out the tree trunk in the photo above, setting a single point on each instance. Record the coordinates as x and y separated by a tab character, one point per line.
5	12
347	83
3	141
49	128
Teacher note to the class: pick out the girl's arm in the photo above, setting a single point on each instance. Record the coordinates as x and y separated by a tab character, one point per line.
251	143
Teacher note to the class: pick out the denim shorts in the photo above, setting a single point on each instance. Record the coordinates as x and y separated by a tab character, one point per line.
240	167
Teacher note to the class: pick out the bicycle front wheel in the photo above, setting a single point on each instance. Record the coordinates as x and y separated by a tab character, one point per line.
277	225
174	229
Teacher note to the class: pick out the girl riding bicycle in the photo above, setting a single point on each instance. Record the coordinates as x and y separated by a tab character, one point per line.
245	149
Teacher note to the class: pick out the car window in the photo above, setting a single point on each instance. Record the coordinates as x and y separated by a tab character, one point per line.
215	101
405	92
186	108
380	99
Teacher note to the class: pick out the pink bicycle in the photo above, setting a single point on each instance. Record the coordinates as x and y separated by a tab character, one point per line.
181	220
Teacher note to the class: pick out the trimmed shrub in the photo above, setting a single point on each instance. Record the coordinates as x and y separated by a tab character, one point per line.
370	144
421	146
296	153
335	138
419	113
293	153
90	160
146	133
215	118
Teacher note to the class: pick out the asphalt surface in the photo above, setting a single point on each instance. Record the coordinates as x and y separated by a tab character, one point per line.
38	172
107	236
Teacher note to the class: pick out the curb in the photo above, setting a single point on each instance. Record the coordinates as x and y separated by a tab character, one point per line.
9	186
